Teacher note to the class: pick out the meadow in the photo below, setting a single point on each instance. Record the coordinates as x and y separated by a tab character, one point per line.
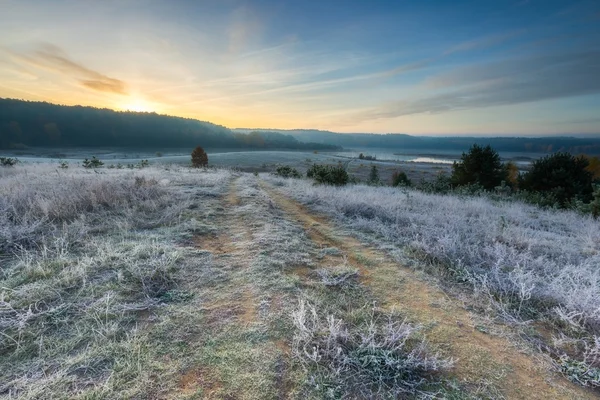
171	282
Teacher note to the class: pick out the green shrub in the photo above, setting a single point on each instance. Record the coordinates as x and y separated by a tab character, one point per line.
440	185
482	166
593	207
399	178
328	174
562	175
8	162
93	163
285	171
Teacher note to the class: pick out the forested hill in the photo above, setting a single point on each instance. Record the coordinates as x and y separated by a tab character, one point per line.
39	124
588	145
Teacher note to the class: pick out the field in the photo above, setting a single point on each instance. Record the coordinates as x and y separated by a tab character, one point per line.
169	282
248	161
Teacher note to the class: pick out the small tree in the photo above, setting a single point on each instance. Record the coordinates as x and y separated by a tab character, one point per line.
481	166
399	178
93	163
374	175
563	175
328	174
199	158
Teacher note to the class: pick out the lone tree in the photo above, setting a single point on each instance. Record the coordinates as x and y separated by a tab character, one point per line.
563	175
482	166
199	158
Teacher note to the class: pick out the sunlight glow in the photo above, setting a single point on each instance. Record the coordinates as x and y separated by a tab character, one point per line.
137	105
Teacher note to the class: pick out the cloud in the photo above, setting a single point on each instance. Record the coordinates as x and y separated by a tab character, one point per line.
484	43
54	59
508	82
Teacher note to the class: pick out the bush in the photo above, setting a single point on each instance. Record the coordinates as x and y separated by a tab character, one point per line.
285	171
562	175
399	178
328	174
93	163
440	185
482	166
8	162
593	207
361	156
199	158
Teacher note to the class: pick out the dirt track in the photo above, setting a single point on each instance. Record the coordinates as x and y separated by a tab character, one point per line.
486	364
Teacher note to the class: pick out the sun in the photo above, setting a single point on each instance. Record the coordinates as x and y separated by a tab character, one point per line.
137	105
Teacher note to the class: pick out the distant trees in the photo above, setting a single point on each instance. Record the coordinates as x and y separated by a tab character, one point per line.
361	156
199	157
562	175
28	123
479	166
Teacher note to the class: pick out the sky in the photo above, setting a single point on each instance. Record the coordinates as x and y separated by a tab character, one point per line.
430	67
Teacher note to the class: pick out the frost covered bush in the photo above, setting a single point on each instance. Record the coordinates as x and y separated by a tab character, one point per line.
375	359
285	171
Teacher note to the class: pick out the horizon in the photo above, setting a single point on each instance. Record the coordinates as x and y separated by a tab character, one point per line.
525	67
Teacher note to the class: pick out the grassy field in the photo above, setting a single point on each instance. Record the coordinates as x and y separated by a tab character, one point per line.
169	282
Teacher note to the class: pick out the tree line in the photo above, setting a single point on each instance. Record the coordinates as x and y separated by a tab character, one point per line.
39	124
545	145
561	179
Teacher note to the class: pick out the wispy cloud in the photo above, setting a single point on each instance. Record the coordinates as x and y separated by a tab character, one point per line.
513	81
53	58
484	43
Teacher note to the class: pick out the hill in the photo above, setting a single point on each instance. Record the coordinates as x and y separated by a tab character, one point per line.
40	124
576	145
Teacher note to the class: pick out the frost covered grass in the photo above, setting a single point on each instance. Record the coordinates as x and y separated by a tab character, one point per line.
532	263
86	259
37	201
369	359
343	350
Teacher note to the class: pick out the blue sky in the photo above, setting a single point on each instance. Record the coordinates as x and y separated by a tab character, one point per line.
523	67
